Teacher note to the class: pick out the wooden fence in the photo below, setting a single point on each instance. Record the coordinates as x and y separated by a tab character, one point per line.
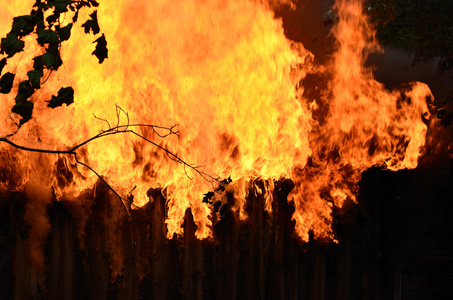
395	244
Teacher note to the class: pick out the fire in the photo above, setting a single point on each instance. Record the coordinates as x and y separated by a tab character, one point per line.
227	75
365	126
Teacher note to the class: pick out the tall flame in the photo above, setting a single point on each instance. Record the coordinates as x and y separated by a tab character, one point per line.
227	75
365	126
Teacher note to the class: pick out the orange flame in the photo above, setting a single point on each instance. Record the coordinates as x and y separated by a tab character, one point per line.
225	72
365	126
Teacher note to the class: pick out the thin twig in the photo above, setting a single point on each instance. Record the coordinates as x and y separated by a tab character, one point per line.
176	158
105	120
118	195
112	131
127	128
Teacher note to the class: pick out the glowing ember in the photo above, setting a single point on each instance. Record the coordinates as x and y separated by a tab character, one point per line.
227	75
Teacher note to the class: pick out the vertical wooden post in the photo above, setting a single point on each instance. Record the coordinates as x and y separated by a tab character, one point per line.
26	284
344	269
397	283
275	277
192	261
255	276
226	273
317	270
158	246
283	274
7	237
371	238
62	257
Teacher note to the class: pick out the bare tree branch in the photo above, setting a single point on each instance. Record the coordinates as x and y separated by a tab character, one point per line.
120	129
35	149
117	130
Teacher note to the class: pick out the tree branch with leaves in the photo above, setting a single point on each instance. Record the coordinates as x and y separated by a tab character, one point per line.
45	25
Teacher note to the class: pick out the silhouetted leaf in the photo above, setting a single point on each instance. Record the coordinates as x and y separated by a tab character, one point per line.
60	5
44	6
25	90
64	32
37	63
207	197
24	109
65	96
23	25
51	59
101	51
2	64
38	15
37	3
226	181
11	44
35	78
47	36
82	4
92	24
79	6
53	18
6	83
94	3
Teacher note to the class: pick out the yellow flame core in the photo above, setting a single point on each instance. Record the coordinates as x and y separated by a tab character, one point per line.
225	72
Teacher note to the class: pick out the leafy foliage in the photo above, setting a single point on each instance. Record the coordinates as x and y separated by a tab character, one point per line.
65	96
92	25
11	45
6	83
60	5
64	33
25	90
23	25
422	27
34	76
51	59
50	34
101	51
24	109
2	64
207	197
